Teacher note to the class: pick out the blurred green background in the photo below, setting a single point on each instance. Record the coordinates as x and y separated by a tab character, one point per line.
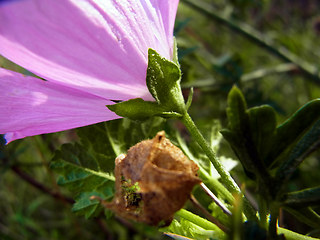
269	48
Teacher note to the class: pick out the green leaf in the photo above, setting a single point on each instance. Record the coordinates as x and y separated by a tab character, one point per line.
81	173
104	139
247	133
240	147
238	133
262	127
308	143
293	129
306	215
304	198
163	81
236	110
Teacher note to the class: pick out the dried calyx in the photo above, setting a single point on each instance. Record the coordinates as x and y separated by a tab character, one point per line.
153	181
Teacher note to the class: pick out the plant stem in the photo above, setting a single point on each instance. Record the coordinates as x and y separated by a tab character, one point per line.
256	37
196	134
211	182
225	176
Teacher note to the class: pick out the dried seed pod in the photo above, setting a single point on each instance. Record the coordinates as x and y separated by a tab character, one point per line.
153	181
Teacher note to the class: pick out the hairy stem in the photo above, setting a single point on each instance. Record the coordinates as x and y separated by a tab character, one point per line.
225	175
196	134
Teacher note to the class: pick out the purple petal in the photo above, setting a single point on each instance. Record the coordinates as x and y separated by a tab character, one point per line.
97	46
30	106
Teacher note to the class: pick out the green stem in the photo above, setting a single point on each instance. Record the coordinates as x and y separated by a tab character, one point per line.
256	37
213	183
196	134
225	175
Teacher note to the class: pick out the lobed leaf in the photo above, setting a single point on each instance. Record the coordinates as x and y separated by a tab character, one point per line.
244	132
81	173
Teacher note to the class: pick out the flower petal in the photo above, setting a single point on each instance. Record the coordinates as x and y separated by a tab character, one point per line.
98	46
30	106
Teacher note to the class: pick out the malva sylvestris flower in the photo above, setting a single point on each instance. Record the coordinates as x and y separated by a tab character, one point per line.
87	52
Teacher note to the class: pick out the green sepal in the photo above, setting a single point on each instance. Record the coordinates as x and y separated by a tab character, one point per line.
304	198
137	109
175	58
163	82
189	101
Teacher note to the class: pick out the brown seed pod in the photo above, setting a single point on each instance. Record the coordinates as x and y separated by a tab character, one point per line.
153	181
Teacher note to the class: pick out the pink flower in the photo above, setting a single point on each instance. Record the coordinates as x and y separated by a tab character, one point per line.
89	52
